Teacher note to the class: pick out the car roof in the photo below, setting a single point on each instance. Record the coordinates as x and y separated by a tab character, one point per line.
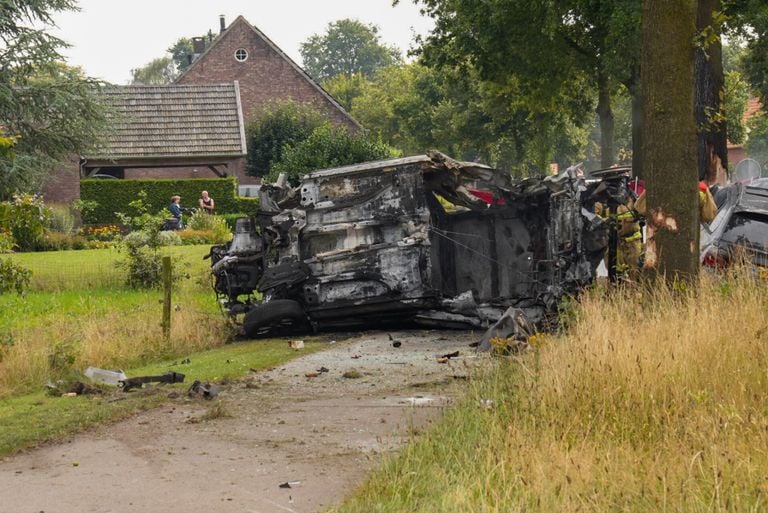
754	197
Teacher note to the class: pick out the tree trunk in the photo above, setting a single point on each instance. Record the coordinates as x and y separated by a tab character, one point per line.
633	86
669	138
712	151
605	113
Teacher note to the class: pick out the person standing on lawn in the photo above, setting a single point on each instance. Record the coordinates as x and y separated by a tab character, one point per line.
206	203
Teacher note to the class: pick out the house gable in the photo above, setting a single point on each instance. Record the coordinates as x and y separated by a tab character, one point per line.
266	76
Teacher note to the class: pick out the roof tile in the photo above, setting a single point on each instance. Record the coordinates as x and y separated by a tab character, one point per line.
173	121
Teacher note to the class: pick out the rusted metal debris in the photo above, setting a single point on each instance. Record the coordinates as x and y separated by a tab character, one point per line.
426	241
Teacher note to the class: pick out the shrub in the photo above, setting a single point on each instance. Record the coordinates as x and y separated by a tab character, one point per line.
112	196
25	217
282	125
200	221
326	147
249	206
13	277
144	266
136	239
169	238
87	210
7	242
107	233
231	219
191	237
57	241
62	219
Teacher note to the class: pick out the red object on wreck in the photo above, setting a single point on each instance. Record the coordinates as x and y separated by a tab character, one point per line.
486	196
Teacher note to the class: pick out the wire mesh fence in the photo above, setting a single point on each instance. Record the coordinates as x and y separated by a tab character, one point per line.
99	269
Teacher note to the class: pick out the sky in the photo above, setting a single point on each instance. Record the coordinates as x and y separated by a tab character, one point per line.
111	37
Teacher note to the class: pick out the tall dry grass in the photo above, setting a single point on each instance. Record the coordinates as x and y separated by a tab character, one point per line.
122	339
655	401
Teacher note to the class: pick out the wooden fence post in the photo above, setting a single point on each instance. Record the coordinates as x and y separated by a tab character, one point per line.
167	298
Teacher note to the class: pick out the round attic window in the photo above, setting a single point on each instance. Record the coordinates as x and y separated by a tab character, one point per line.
241	55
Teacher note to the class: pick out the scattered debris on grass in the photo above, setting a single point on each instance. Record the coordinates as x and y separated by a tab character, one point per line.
108	377
289	484
139	381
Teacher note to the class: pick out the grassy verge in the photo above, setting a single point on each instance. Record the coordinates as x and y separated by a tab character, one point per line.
653	402
52	330
31	419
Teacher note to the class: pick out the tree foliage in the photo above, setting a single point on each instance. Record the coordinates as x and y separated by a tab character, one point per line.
416	108
736	96
283	124
345	88
181	51
748	23
166	69
347	47
543	47
328	146
52	110
159	71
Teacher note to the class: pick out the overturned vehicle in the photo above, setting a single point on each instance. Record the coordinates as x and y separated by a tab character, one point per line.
423	240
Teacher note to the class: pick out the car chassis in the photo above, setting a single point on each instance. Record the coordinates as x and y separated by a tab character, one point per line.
410	241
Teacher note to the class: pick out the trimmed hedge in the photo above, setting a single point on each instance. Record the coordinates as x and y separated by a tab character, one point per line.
115	195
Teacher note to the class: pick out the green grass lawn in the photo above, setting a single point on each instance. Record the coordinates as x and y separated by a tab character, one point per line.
35	418
97	268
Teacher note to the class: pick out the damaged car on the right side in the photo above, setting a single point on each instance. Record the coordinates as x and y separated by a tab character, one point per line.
424	240
740	229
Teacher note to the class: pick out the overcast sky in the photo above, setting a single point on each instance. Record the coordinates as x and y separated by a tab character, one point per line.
111	37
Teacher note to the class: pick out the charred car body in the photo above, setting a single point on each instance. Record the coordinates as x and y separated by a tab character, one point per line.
411	241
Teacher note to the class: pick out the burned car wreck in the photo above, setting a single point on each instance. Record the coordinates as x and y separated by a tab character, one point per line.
423	240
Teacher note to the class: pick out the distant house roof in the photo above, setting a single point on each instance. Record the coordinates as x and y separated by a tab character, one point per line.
174	121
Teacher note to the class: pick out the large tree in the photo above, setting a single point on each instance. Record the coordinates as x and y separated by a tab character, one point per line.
347	47
669	145
52	110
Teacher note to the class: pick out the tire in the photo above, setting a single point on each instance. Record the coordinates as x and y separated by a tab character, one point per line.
275	317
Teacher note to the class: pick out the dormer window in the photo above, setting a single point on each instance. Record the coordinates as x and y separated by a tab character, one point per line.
241	55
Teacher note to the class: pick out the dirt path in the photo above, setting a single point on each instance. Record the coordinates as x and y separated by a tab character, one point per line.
326	432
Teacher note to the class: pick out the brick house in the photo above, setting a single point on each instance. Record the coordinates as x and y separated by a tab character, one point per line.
265	73
154	137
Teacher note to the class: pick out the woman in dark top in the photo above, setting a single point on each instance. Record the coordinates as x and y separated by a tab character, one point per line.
206	203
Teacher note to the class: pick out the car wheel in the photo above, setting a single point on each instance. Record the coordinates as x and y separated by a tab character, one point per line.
275	317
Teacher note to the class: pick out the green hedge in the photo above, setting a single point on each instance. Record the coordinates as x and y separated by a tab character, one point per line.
115	195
